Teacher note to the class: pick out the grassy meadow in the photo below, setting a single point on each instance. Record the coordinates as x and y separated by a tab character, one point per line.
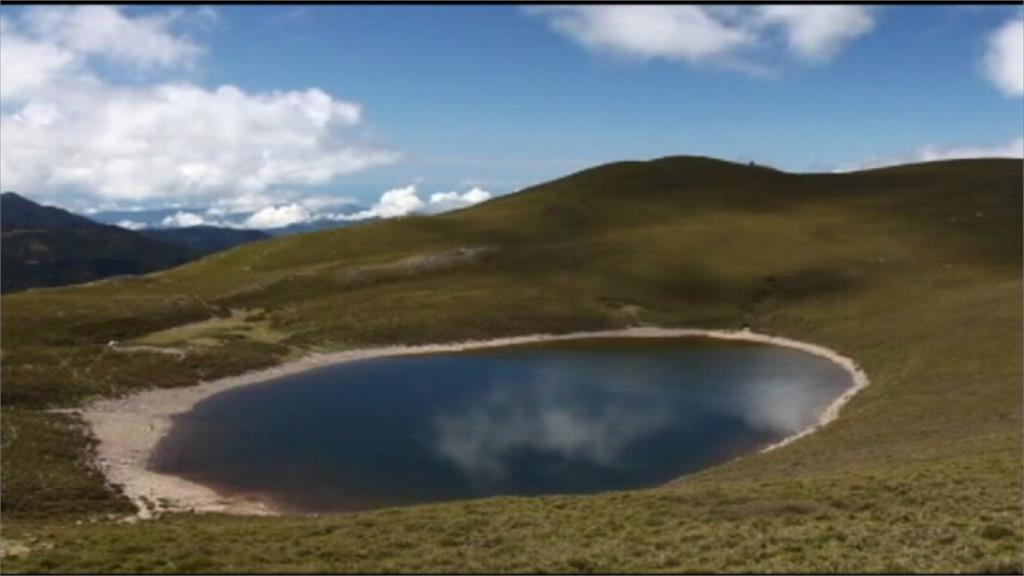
914	271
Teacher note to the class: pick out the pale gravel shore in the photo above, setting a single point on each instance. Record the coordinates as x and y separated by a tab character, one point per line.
128	429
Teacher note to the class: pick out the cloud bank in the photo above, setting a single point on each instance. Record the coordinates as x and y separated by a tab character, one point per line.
393	203
729	35
71	132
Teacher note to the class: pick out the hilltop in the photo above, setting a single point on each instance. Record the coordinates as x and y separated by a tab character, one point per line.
914	271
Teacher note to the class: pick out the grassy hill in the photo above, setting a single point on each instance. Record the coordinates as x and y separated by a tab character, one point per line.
46	246
914	271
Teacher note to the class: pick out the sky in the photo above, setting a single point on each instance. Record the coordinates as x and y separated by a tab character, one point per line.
264	116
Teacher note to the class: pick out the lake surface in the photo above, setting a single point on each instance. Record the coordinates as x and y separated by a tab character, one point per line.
565	417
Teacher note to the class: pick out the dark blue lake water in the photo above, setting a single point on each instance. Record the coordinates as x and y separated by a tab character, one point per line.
566	417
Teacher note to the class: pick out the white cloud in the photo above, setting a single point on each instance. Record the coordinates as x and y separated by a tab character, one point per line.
404	201
398	202
27	66
180	140
817	33
1004	60
251	202
674	32
931	153
186	220
69	132
279	216
443	201
265	218
392	204
131	224
716	34
106	31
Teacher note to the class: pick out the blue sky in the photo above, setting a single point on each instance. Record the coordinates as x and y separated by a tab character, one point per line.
496	98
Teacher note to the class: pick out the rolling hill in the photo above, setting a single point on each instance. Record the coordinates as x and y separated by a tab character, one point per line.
914	271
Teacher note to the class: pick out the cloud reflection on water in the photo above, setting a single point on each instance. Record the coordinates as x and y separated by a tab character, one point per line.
593	413
556	411
781	399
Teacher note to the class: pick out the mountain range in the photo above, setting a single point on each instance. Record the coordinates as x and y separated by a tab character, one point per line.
45	246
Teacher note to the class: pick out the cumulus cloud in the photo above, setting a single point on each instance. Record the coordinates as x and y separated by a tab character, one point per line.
131	225
104	30
715	34
930	153
265	218
183	219
279	216
443	201
69	131
675	32
405	200
817	33
1004	59
180	141
397	202
28	66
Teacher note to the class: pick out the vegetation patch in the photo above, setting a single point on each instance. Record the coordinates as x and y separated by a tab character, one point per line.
890	267
238	324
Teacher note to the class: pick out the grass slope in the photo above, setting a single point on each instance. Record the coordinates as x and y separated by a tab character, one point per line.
913	271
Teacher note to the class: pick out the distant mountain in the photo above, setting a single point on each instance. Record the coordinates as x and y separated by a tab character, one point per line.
46	246
205	239
23	214
140	218
314	226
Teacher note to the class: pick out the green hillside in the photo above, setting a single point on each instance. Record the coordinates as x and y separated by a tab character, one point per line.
913	271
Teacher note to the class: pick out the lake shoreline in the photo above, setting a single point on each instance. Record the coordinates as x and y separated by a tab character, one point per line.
128	429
